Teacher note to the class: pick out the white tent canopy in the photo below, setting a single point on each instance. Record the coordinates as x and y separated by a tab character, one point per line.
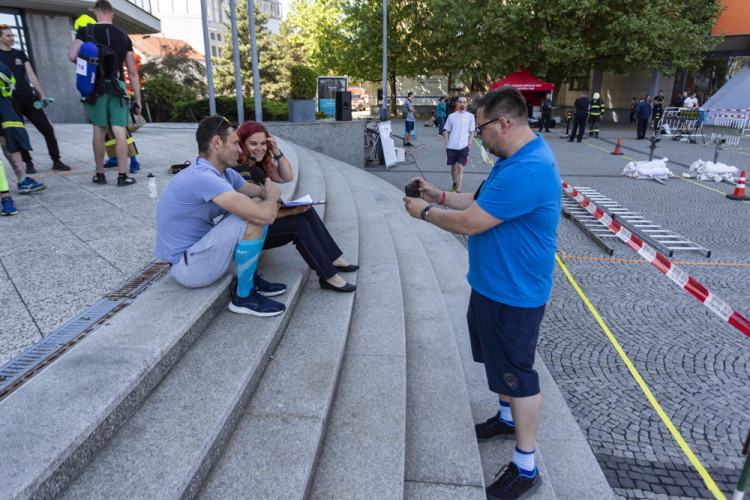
735	94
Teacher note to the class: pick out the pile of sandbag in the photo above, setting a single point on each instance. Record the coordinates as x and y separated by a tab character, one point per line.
655	169
710	171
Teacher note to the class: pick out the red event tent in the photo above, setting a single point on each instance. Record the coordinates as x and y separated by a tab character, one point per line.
529	85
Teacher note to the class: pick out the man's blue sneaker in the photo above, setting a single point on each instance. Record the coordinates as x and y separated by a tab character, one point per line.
134	165
266	288
111	163
29	185
255	304
8	208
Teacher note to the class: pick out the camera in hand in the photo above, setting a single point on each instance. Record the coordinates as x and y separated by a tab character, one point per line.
412	189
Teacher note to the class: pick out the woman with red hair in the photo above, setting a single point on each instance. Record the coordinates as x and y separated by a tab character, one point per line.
261	158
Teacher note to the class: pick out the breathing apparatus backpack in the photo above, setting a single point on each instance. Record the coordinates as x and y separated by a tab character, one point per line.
98	68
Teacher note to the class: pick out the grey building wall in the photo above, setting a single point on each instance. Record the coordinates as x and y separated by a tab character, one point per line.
341	140
50	34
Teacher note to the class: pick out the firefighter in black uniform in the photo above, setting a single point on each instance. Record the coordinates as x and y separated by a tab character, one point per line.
595	114
546	113
579	121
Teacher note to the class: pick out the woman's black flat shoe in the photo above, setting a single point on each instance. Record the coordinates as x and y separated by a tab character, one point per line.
346	288
347	269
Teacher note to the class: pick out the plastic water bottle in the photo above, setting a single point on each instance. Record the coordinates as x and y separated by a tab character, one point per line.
43	103
151	186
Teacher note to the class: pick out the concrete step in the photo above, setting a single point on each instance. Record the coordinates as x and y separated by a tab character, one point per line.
276	444
442	458
168	446
56	422
363	453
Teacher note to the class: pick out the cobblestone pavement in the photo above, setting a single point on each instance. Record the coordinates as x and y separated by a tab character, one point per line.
696	365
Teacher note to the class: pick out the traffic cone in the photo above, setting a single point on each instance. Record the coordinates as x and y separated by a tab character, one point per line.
739	190
617	150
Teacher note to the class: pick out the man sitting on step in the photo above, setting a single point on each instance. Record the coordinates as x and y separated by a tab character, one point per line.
512	222
208	214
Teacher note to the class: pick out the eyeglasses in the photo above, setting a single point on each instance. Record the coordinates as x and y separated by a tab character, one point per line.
479	128
216	130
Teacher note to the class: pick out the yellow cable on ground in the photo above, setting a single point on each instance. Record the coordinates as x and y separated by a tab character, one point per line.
710	484
683	178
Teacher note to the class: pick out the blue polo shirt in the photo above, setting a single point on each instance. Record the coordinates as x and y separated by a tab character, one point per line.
513	262
185	212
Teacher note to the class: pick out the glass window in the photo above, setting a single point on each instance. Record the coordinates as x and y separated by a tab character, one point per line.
213	36
213	51
14	19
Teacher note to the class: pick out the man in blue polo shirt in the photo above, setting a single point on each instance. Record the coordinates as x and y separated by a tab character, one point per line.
512	225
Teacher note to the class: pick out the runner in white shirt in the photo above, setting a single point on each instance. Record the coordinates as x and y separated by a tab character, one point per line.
458	134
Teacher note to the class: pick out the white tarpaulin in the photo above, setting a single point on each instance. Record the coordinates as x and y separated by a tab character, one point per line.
656	169
710	171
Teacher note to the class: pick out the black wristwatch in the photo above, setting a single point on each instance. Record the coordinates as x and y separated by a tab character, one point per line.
425	212
277	158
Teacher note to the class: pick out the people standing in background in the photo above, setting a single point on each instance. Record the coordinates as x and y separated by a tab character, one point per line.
579	120
546	113
633	104
658	109
643	113
596	108
409	119
28	92
441	114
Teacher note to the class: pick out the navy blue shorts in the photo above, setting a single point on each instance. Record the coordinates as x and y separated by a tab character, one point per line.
457	156
504	338
409	125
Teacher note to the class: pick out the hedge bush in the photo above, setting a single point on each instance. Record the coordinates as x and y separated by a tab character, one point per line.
304	82
189	111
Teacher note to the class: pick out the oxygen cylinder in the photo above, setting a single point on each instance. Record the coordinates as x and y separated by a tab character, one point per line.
86	64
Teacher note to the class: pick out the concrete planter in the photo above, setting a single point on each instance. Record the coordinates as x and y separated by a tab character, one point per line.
301	110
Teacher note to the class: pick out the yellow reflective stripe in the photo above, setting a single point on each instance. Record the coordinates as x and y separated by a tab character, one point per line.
12	124
112	142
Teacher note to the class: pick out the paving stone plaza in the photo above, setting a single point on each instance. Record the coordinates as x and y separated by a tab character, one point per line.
696	365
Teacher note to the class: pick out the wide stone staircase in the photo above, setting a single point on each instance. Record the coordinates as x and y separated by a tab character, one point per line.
364	395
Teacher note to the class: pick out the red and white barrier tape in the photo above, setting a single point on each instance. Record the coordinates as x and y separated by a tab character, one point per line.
680	277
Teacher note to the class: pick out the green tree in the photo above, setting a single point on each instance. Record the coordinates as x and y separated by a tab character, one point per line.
275	56
562	40
346	37
175	64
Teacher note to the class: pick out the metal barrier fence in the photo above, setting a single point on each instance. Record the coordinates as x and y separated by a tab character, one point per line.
683	122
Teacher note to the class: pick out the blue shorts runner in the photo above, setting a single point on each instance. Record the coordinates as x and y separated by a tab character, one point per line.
409	126
457	156
504	338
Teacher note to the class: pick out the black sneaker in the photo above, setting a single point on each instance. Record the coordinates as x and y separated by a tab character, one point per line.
493	429
266	288
255	304
60	166
512	485
30	169
124	180
99	179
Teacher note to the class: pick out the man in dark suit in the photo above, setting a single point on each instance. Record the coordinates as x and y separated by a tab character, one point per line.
579	120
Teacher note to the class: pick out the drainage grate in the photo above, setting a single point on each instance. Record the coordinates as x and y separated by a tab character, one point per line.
23	367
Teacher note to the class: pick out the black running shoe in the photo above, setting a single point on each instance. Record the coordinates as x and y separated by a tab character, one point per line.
99	179
60	166
512	484
124	180
30	167
493	429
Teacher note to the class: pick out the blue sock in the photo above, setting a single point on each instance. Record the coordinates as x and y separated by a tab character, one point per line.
246	256
505	414
525	462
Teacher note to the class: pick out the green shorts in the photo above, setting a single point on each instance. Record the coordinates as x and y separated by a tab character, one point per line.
108	110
